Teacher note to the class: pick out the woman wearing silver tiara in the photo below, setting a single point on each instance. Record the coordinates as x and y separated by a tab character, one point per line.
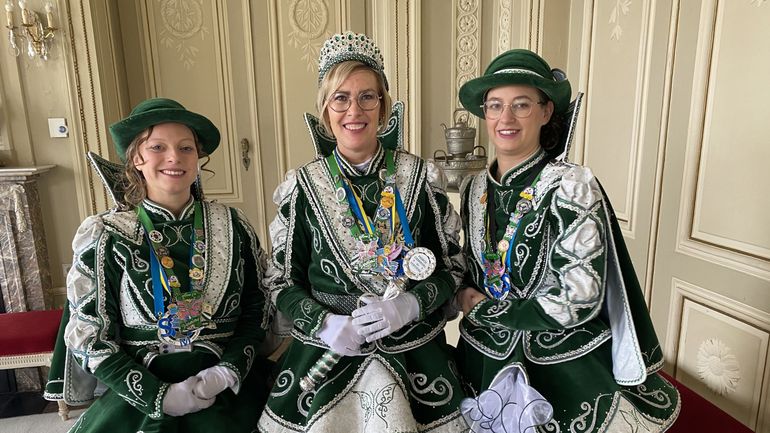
554	319
365	256
166	305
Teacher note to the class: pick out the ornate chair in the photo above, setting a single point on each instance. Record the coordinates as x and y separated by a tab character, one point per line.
27	339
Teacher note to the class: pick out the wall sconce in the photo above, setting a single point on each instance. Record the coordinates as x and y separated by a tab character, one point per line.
37	36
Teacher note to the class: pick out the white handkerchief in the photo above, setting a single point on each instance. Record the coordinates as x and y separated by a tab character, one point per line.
510	405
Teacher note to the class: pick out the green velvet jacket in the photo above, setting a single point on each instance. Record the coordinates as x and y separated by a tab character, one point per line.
575	310
312	276
110	332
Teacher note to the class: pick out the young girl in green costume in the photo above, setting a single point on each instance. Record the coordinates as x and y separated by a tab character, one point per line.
555	331
365	255
166	306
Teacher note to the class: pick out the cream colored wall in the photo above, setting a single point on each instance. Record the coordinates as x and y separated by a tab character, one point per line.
33	91
666	109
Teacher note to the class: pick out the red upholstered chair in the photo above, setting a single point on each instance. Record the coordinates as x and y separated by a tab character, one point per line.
700	415
27	340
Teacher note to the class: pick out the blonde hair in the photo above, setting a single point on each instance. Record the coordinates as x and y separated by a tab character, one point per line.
334	79
135	186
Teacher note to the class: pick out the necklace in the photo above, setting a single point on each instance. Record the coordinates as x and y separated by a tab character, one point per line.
181	321
496	256
380	249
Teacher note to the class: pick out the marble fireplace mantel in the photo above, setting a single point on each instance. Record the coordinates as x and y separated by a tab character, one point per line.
25	276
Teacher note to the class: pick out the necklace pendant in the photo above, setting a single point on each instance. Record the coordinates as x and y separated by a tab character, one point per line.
503	245
167	262
347	221
523	206
419	263
198	261
196	273
340	194
155	236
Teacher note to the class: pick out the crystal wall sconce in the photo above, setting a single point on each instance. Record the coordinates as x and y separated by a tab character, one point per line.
32	33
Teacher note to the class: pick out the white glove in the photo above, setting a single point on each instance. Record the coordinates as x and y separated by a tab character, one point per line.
214	380
341	335
380	318
180	400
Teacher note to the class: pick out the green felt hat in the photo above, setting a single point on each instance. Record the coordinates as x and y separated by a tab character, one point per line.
517	67
162	110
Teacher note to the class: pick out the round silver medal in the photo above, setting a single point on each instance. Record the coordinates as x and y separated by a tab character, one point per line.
198	261
155	236
340	194
419	263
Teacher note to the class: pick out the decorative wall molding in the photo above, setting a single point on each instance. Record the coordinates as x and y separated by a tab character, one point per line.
735	254
88	107
724	374
620	9
466	46
256	148
717	366
503	9
639	107
309	20
182	20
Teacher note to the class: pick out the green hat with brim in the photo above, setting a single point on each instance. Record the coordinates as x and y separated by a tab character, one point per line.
517	67
162	110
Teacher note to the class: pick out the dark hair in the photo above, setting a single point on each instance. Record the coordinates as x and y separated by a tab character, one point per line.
551	139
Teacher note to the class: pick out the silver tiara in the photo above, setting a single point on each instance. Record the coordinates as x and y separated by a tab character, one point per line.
350	46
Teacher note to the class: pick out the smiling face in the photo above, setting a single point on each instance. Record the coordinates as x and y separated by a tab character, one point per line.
355	129
168	161
516	137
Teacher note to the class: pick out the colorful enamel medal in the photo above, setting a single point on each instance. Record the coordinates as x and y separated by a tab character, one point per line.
496	256
186	315
379	249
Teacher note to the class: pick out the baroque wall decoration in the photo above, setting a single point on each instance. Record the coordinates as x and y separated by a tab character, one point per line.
717	366
182	20
621	8
504	26
467	41
308	19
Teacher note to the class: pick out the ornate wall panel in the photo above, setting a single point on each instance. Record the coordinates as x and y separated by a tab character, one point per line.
722	218
722	349
299	28
617	72
189	39
466	46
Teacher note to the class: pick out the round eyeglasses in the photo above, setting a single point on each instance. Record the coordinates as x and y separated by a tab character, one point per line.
367	101
494	109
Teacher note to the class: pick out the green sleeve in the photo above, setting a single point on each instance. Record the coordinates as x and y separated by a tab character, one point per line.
288	279
91	333
573	292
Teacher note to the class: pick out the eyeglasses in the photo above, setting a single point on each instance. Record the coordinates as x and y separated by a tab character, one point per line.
494	109
368	101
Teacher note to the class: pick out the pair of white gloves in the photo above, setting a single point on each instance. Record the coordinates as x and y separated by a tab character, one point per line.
376	319
198	392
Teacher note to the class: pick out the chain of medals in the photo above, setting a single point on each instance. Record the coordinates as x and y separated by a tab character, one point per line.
497	260
380	248
181	321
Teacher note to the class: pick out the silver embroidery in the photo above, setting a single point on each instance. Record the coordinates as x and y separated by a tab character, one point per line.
439	387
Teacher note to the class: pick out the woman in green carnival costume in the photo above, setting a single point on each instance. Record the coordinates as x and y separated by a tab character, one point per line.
555	330
166	305
365	257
